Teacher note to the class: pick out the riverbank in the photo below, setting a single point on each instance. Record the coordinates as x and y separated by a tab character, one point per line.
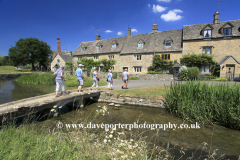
12	69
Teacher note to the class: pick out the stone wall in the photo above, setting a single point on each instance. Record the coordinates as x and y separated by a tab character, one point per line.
156	77
12	75
132	100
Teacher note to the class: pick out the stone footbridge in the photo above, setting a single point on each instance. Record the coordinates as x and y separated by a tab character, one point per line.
34	104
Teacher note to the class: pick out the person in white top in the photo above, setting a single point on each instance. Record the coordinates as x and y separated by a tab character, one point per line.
95	79
125	78
110	80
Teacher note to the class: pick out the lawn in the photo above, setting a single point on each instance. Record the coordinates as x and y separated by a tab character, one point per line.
12	69
146	92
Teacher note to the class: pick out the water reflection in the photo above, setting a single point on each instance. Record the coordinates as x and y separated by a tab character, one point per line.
225	140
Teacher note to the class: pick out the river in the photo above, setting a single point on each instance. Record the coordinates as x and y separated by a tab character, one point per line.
225	140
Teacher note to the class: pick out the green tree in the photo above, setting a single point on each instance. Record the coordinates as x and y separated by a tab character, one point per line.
107	64
158	63
30	51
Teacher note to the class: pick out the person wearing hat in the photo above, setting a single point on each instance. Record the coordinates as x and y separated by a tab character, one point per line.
125	78
95	79
110	80
80	78
59	80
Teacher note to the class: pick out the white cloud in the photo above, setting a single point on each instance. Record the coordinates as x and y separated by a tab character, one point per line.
134	30
157	8
119	33
172	15
108	31
164	0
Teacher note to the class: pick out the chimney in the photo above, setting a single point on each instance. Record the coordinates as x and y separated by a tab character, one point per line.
70	53
154	27
58	45
129	32
98	37
216	17
65	50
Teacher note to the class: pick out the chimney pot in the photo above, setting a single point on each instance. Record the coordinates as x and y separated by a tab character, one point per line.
154	27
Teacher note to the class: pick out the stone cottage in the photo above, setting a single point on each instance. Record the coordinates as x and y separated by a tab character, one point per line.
135	52
60	57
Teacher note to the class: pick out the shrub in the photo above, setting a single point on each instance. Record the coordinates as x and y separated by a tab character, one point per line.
153	72
221	79
205	77
189	74
134	78
237	79
114	76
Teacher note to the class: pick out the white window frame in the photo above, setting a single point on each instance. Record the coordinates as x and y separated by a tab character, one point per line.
137	69
96	57
83	48
111	57
114	45
137	57
168	42
98	47
58	60
207	31
140	45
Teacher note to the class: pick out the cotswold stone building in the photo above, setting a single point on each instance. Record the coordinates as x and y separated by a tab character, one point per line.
135	52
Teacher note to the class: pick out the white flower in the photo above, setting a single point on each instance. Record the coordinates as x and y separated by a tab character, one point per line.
99	106
105	141
110	136
131	140
109	140
111	132
130	146
106	136
106	129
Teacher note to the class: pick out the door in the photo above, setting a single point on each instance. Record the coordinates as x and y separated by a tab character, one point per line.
176	72
125	68
230	71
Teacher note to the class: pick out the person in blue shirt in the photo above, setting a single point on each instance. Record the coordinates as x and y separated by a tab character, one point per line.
110	80
59	80
80	78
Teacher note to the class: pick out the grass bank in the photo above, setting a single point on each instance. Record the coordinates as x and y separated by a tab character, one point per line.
12	69
207	104
146	92
48	78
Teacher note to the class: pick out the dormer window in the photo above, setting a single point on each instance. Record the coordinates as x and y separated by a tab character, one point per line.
168	43
114	45
83	48
98	46
227	31
140	44
208	33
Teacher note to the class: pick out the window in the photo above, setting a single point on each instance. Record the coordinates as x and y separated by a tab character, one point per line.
112	68
227	31
58	60
165	70
140	45
166	56
83	48
79	58
137	69
137	57
98	47
168	43
207	51
111	57
114	45
207	33
205	69
96	57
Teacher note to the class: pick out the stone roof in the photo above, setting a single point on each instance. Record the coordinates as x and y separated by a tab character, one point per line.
153	42
55	54
194	31
106	46
66	57
177	65
226	58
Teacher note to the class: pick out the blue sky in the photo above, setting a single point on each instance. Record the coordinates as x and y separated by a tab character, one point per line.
75	21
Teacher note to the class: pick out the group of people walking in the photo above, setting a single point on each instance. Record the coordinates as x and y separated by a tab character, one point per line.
59	74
